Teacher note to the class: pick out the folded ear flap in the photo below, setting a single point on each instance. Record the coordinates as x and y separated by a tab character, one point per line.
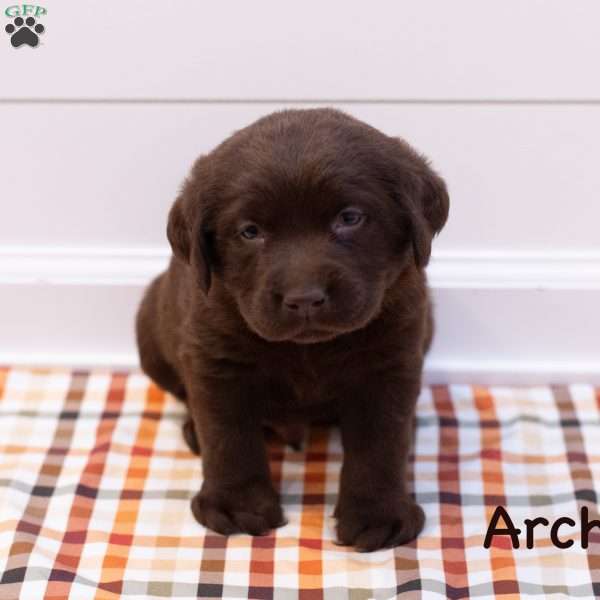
436	201
425	195
187	237
421	240
179	230
432	204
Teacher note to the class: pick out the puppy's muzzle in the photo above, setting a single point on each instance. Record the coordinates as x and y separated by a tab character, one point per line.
304	303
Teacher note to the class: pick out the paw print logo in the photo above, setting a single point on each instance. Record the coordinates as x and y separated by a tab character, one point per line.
24	32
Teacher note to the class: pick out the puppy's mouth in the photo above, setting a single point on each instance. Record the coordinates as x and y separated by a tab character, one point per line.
313	332
312	329
313	335
307	333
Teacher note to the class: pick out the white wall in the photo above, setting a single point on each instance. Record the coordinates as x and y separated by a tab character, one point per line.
101	122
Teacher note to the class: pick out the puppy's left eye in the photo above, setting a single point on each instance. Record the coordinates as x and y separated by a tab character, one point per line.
348	218
250	232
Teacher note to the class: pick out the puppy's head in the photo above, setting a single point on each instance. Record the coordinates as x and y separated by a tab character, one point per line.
307	218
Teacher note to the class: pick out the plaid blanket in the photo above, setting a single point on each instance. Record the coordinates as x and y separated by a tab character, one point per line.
95	482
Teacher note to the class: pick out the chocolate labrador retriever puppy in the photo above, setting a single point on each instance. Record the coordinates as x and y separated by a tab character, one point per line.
297	293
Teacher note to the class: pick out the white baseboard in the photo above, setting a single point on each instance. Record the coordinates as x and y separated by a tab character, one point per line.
511	372
448	269
511	317
437	371
516	270
40	265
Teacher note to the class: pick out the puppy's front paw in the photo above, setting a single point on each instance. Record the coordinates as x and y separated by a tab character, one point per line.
254	509
373	524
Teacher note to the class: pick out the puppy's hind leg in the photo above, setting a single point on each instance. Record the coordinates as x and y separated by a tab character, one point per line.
151	357
164	375
190	437
429	327
153	363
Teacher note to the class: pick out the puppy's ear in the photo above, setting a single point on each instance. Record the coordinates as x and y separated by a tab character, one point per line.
426	195
432	212
179	231
187	237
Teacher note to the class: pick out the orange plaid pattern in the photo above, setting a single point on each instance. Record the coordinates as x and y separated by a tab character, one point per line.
95	483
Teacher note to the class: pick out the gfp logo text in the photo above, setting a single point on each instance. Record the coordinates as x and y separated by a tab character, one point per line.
25	10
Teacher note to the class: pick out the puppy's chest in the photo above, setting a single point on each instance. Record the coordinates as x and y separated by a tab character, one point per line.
309	385
302	383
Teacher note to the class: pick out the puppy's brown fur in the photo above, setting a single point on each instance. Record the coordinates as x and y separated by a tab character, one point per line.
296	292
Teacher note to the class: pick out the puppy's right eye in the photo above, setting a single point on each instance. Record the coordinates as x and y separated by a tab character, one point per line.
250	232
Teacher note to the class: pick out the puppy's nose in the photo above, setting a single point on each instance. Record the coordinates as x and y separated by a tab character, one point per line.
305	301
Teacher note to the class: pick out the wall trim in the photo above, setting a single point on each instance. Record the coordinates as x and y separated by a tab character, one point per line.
53	265
437	371
448	269
504	317
516	270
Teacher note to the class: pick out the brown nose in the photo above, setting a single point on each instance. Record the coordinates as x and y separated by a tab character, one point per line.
305	301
